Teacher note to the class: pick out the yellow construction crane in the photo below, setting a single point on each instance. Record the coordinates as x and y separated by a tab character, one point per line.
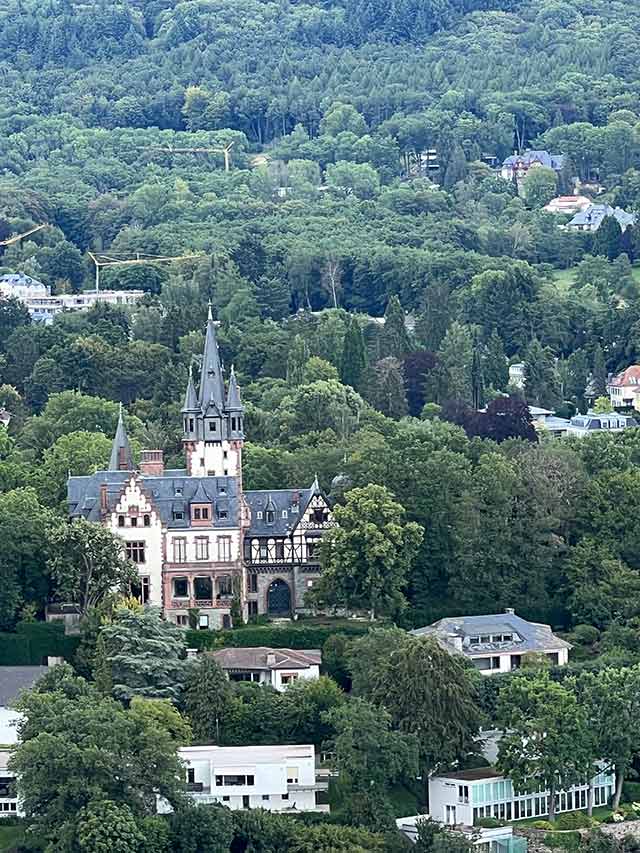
17	237
101	260
169	149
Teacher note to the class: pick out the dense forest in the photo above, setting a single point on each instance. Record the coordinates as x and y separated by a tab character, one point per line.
369	303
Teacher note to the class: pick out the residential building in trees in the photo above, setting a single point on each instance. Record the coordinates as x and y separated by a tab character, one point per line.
624	388
591	218
463	797
276	667
516	166
497	642
279	778
582	425
200	541
567	204
495	839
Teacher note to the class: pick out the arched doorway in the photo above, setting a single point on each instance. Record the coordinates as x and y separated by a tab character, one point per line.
279	598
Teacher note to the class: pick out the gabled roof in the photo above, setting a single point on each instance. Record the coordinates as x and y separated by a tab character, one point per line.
259	658
288	505
527	636
172	492
593	215
630	376
544	158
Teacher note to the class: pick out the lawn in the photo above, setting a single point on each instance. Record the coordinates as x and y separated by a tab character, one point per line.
9	837
564	278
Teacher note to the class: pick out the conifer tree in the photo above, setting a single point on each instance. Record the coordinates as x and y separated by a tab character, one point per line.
541	379
394	339
496	368
296	361
599	372
354	355
477	378
206	699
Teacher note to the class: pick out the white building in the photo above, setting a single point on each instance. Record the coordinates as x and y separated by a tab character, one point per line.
43	307
276	667
461	798
544	421
624	388
516	374
496	642
22	286
277	778
581	425
499	839
567	204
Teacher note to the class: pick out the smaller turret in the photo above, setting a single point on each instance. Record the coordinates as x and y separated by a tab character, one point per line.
121	457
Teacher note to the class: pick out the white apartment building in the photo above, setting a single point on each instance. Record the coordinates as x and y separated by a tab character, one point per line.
461	798
277	668
278	778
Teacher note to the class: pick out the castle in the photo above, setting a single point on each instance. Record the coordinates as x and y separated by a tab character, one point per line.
199	540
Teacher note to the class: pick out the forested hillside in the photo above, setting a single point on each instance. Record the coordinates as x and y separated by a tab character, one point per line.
326	221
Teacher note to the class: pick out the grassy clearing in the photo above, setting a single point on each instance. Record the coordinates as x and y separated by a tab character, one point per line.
10	836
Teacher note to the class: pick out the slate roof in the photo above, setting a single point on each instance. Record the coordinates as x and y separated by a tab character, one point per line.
256	658
292	502
551	161
170	493
593	215
526	636
15	679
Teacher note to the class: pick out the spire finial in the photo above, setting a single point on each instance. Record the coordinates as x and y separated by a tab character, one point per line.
210	312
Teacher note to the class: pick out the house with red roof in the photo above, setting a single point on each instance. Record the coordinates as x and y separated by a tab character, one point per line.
624	388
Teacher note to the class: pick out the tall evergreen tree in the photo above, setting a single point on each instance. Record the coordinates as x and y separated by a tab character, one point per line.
607	239
394	338
456	168
385	389
496	367
273	297
599	372
207	698
477	377
296	361
354	355
541	378
454	365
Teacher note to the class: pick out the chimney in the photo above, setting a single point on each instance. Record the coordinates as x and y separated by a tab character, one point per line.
456	641
104	503
510	610
271	660
152	463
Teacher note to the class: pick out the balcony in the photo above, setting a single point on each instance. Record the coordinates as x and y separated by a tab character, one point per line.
223	602
311	786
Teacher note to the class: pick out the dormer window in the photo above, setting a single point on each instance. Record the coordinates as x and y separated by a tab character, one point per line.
285	514
213	427
259	515
178	491
201	514
269	516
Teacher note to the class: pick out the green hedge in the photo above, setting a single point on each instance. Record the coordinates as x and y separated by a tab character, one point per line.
33	642
289	637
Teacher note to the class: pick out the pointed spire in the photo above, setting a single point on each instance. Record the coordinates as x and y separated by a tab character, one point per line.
190	398
315	486
211	381
121	457
233	395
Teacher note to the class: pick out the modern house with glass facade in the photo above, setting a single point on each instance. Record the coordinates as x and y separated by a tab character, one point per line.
465	796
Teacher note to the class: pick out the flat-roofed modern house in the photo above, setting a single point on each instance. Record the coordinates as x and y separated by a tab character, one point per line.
276	667
465	796
497	839
497	642
277	778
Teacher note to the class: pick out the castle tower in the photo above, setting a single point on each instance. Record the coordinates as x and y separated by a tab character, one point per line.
212	418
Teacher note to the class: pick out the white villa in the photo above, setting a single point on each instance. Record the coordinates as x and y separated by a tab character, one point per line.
276	667
496	642
278	778
465	796
624	388
498	839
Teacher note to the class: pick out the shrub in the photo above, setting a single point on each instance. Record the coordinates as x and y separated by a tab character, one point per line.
585	635
631	792
542	824
573	820
563	840
488	822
